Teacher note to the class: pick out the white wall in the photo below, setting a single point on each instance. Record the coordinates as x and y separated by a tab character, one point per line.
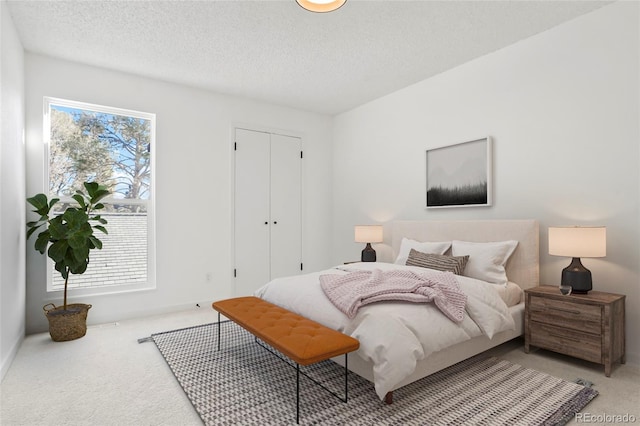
193	182
12	192
563	110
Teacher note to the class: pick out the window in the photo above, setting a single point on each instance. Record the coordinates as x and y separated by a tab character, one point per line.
113	147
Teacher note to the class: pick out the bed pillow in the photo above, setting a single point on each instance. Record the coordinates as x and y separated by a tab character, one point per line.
511	294
486	260
429	247
438	262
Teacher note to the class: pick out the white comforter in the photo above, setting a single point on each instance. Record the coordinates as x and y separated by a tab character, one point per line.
394	336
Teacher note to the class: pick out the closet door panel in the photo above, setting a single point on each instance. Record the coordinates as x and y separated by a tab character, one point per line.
286	206
251	210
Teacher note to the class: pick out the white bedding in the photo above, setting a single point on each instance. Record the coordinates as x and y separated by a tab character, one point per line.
394	336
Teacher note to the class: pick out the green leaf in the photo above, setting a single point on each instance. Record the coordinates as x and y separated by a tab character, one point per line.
58	250
99	219
74	261
96	192
33	227
96	242
98	206
53	202
102	228
80	199
31	231
99	195
75	218
42	241
39	201
78	241
79	268
80	254
57	229
91	188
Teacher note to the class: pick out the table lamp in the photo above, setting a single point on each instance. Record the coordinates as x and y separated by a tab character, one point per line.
577	242
368	234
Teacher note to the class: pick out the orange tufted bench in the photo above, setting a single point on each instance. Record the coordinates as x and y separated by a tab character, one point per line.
302	340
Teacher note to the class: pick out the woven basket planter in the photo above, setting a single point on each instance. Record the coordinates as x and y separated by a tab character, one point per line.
69	324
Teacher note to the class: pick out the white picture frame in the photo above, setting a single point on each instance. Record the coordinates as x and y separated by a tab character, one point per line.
460	175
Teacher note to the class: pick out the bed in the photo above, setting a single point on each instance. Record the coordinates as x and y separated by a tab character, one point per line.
403	342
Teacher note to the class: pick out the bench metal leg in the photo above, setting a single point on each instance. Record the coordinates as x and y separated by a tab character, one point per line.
297	393
218	331
346	378
346	386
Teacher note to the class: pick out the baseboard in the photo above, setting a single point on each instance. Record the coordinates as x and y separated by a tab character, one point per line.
8	359
98	320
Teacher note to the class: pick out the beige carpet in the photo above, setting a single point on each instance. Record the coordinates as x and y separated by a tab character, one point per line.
107	378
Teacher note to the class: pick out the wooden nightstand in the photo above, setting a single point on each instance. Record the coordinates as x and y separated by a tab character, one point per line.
586	326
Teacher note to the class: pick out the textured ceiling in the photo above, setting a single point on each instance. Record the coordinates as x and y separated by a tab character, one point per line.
277	52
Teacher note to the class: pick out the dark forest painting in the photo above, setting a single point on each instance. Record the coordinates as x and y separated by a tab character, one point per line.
459	175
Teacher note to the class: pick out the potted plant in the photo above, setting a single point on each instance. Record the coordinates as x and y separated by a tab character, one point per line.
68	236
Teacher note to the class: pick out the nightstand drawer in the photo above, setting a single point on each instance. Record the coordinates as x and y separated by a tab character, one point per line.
567	315
569	342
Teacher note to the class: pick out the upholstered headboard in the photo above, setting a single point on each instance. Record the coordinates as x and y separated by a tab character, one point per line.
523	267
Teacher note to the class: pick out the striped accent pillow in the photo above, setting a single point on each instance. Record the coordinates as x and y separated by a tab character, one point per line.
439	262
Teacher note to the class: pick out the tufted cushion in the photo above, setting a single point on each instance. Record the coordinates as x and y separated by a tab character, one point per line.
304	341
439	262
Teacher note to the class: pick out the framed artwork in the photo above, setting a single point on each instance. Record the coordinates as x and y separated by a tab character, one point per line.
460	175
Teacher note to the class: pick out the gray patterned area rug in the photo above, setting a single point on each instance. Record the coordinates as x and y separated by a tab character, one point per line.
244	384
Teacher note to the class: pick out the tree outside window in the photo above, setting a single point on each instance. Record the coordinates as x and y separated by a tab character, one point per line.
112	147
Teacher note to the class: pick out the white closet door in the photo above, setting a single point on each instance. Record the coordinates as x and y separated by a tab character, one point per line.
252	203
286	206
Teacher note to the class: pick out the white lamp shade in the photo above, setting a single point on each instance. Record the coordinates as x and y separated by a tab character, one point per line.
368	233
578	241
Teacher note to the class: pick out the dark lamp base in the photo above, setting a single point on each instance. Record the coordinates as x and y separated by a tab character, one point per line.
368	254
577	276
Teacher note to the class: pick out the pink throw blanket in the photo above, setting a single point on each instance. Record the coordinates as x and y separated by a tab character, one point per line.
351	291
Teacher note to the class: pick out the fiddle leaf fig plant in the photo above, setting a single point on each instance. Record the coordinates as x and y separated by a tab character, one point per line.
69	235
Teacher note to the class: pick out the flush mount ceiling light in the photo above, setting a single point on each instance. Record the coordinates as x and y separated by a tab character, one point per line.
321	6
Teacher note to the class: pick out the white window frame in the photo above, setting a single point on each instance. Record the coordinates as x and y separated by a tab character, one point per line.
150	284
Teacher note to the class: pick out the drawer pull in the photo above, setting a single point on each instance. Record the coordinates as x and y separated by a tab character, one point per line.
568	311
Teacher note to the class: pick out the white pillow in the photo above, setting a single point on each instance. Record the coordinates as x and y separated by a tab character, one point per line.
486	260
429	247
